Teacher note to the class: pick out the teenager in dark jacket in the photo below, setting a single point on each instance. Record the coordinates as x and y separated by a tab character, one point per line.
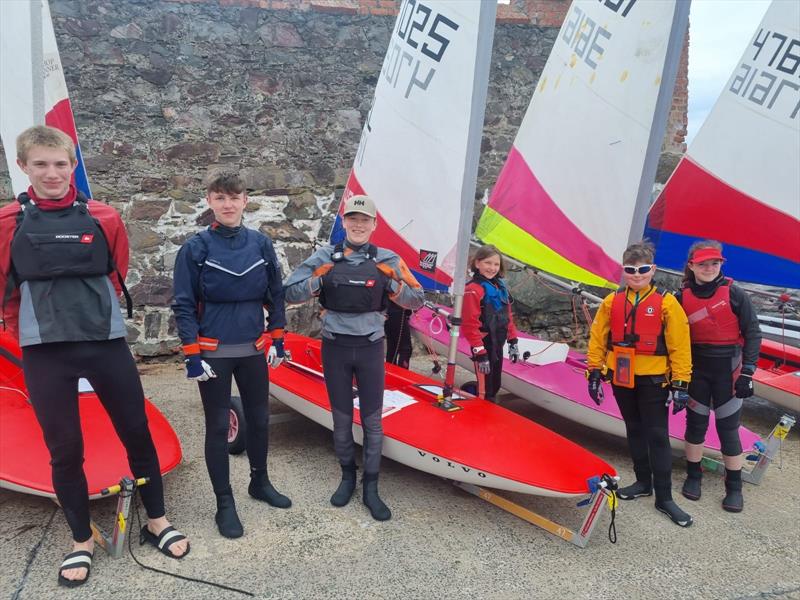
225	277
726	340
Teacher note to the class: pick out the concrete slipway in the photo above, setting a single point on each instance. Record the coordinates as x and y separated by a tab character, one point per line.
440	543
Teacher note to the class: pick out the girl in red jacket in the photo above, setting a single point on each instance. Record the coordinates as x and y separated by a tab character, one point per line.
487	320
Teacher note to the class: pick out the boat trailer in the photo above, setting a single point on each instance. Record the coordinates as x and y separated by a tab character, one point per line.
603	490
763	456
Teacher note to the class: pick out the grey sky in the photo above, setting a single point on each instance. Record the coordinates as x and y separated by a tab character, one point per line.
719	32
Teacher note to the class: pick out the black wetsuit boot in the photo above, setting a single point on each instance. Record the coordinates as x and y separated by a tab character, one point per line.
666	505
733	501
379	511
635	490
694	479
346	487
227	520
261	489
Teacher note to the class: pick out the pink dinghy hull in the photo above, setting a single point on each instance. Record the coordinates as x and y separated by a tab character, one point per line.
561	388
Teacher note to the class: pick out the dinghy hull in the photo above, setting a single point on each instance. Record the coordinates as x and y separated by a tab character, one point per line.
777	378
24	458
482	444
561	388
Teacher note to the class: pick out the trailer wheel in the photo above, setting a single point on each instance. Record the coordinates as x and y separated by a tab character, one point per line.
471	387
237	427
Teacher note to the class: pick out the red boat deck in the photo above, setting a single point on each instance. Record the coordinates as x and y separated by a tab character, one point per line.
24	458
483	436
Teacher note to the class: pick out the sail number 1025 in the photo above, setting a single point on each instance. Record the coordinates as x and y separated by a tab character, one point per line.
411	26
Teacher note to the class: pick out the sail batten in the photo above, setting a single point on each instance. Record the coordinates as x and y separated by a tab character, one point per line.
583	159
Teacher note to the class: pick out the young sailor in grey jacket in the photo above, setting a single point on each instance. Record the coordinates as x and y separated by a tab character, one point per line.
354	281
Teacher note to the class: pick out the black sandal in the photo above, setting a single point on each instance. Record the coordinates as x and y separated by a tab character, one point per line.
164	540
80	559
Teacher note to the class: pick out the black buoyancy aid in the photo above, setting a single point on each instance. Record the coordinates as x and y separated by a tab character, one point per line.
712	320
60	243
494	316
233	275
354	288
640	325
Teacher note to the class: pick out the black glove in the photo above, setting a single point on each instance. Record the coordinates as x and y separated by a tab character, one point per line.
481	359
680	395
744	383
595	378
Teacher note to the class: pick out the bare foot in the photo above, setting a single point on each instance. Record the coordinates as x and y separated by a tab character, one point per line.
156	526
80	572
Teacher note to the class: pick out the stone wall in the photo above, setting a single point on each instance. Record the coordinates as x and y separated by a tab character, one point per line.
163	89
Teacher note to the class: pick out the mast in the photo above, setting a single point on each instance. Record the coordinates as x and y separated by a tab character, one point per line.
677	36
483	51
37	62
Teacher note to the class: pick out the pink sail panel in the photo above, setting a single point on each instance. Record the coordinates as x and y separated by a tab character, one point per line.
521	198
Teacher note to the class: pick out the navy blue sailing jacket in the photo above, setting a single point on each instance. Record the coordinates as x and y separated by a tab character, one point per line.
222	284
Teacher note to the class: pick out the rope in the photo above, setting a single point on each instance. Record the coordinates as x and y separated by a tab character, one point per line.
185	578
612	527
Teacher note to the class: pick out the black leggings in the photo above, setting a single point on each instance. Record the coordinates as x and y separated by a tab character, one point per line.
252	380
646	422
51	375
343	359
712	386
489	385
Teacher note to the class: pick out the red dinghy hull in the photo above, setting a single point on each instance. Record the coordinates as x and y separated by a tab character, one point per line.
483	444
777	378
24	458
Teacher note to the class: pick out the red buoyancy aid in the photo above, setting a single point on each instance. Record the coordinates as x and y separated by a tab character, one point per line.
712	320
640	326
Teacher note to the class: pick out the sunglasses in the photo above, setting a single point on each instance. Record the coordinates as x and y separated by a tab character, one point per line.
641	269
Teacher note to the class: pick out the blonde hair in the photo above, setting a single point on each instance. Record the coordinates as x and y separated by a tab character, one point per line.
485	252
48	137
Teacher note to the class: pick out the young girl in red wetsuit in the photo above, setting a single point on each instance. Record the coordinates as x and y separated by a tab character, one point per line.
487	320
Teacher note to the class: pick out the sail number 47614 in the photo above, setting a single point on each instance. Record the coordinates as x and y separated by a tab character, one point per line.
766	78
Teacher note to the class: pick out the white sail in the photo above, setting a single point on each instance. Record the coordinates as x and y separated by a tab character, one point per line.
32	86
739	183
582	166
414	150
